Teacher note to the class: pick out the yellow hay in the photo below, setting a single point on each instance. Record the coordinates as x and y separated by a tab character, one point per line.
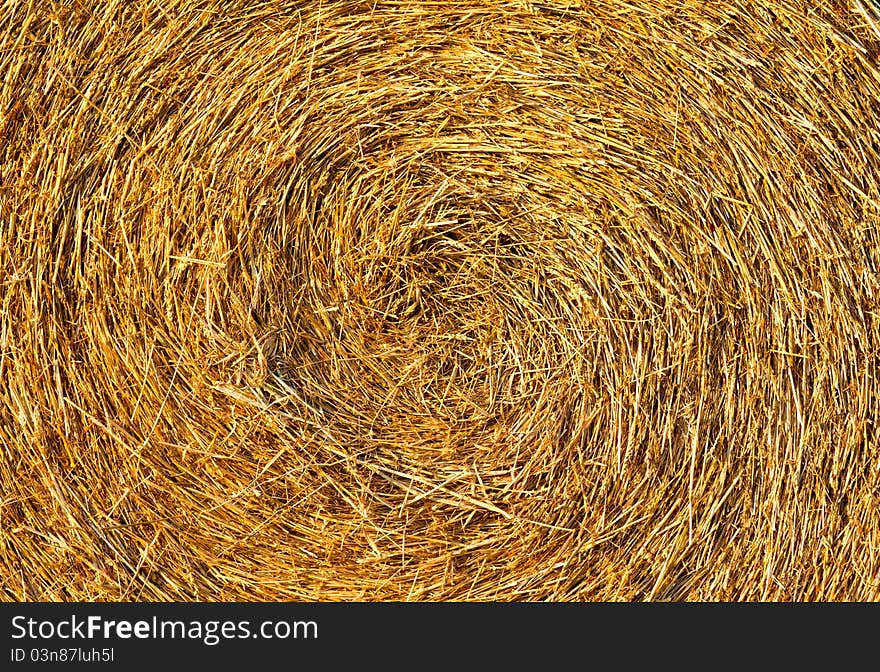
439	300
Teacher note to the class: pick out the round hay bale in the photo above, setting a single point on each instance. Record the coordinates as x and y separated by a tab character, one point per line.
439	300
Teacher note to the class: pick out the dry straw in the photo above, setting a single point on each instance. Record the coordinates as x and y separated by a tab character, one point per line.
439	300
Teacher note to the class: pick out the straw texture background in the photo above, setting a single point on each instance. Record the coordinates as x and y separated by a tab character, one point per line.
439	300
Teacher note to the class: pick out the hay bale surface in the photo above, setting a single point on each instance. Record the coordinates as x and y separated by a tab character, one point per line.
439	300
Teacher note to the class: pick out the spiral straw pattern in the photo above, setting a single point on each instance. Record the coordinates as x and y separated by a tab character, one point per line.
439	300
